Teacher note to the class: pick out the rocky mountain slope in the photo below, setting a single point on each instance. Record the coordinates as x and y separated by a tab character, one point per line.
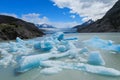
109	23
11	27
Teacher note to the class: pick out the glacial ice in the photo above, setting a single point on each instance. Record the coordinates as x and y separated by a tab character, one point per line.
59	36
47	53
95	58
29	62
82	67
43	46
51	70
96	42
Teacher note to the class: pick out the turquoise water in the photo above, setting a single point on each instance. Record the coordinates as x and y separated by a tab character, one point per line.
112	61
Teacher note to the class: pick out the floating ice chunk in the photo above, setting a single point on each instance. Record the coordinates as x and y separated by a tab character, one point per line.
46	46
98	70
115	48
51	70
83	50
73	53
37	45
29	62
7	60
58	35
19	40
74	38
95	58
43	45
62	48
98	43
101	70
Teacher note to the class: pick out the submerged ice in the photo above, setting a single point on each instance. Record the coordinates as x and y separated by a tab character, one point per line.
47	53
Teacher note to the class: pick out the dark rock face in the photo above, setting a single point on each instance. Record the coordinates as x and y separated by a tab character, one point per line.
109	23
11	27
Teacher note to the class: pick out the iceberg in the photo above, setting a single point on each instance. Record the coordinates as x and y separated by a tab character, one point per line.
95	58
19	40
29	62
62	48
96	42
83	50
73	38
101	70
43	46
59	36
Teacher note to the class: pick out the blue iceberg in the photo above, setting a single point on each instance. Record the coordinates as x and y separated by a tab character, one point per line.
59	36
101	70
96	42
43	45
95	58
29	62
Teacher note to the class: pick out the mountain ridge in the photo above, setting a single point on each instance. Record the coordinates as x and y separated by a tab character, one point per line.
11	27
109	23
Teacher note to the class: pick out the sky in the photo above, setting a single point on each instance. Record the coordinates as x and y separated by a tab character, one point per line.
59	13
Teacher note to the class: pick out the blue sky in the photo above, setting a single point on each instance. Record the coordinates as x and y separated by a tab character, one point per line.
60	13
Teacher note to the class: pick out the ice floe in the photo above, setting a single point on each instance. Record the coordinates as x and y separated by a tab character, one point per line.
47	53
96	42
95	58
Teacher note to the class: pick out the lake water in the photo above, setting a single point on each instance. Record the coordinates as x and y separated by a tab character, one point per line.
112	61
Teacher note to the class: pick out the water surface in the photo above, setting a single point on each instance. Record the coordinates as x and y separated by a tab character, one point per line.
112	61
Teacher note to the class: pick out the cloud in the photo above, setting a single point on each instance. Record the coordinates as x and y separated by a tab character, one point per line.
9	14
64	24
72	16
88	9
35	18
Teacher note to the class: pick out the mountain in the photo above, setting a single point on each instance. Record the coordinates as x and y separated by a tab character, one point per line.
11	27
109	23
84	24
44	26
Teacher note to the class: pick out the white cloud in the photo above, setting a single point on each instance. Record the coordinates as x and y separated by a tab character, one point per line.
64	24
88	9
37	19
9	14
34	18
72	16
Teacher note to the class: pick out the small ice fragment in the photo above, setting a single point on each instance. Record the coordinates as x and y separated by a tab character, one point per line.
37	45
19	40
83	50
74	38
59	36
51	70
43	45
62	48
95	58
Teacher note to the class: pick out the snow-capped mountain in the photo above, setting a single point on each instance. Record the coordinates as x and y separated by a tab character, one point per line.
44	26
90	21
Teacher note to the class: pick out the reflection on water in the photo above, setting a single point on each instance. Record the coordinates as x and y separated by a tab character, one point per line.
112	61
